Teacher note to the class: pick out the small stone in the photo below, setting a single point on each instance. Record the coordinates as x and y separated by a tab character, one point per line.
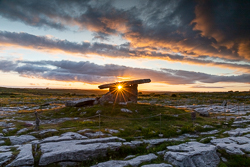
129	157
47	131
22	131
210	132
98	111
223	159
92	135
112	131
83	131
208	126
126	110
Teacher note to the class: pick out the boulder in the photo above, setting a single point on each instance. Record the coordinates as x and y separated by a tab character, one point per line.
193	154
15	140
24	158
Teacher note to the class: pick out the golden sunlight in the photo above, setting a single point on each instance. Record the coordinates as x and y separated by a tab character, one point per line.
119	87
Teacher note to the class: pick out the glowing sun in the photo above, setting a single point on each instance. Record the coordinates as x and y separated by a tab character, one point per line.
119	87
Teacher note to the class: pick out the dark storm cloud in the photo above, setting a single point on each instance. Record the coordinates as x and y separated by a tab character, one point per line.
92	73
194	28
116	51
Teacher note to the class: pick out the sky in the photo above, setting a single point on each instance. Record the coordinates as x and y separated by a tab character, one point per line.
181	45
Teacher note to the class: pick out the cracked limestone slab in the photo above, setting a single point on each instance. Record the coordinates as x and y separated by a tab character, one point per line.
21	139
233	145
193	154
24	158
74	150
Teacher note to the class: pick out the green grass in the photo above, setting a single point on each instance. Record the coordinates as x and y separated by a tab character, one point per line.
144	121
234	160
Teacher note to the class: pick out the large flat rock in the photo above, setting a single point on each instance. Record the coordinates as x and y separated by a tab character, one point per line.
24	158
15	140
74	150
77	150
233	145
193	154
238	131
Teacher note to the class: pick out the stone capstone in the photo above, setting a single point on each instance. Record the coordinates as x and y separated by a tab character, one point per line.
192	154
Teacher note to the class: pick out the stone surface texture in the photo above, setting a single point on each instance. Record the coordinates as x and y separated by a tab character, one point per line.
192	154
24	158
133	162
5	157
233	145
21	139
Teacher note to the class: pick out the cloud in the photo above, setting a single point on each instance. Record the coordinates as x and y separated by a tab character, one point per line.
227	22
207	87
193	28
115	51
97	74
